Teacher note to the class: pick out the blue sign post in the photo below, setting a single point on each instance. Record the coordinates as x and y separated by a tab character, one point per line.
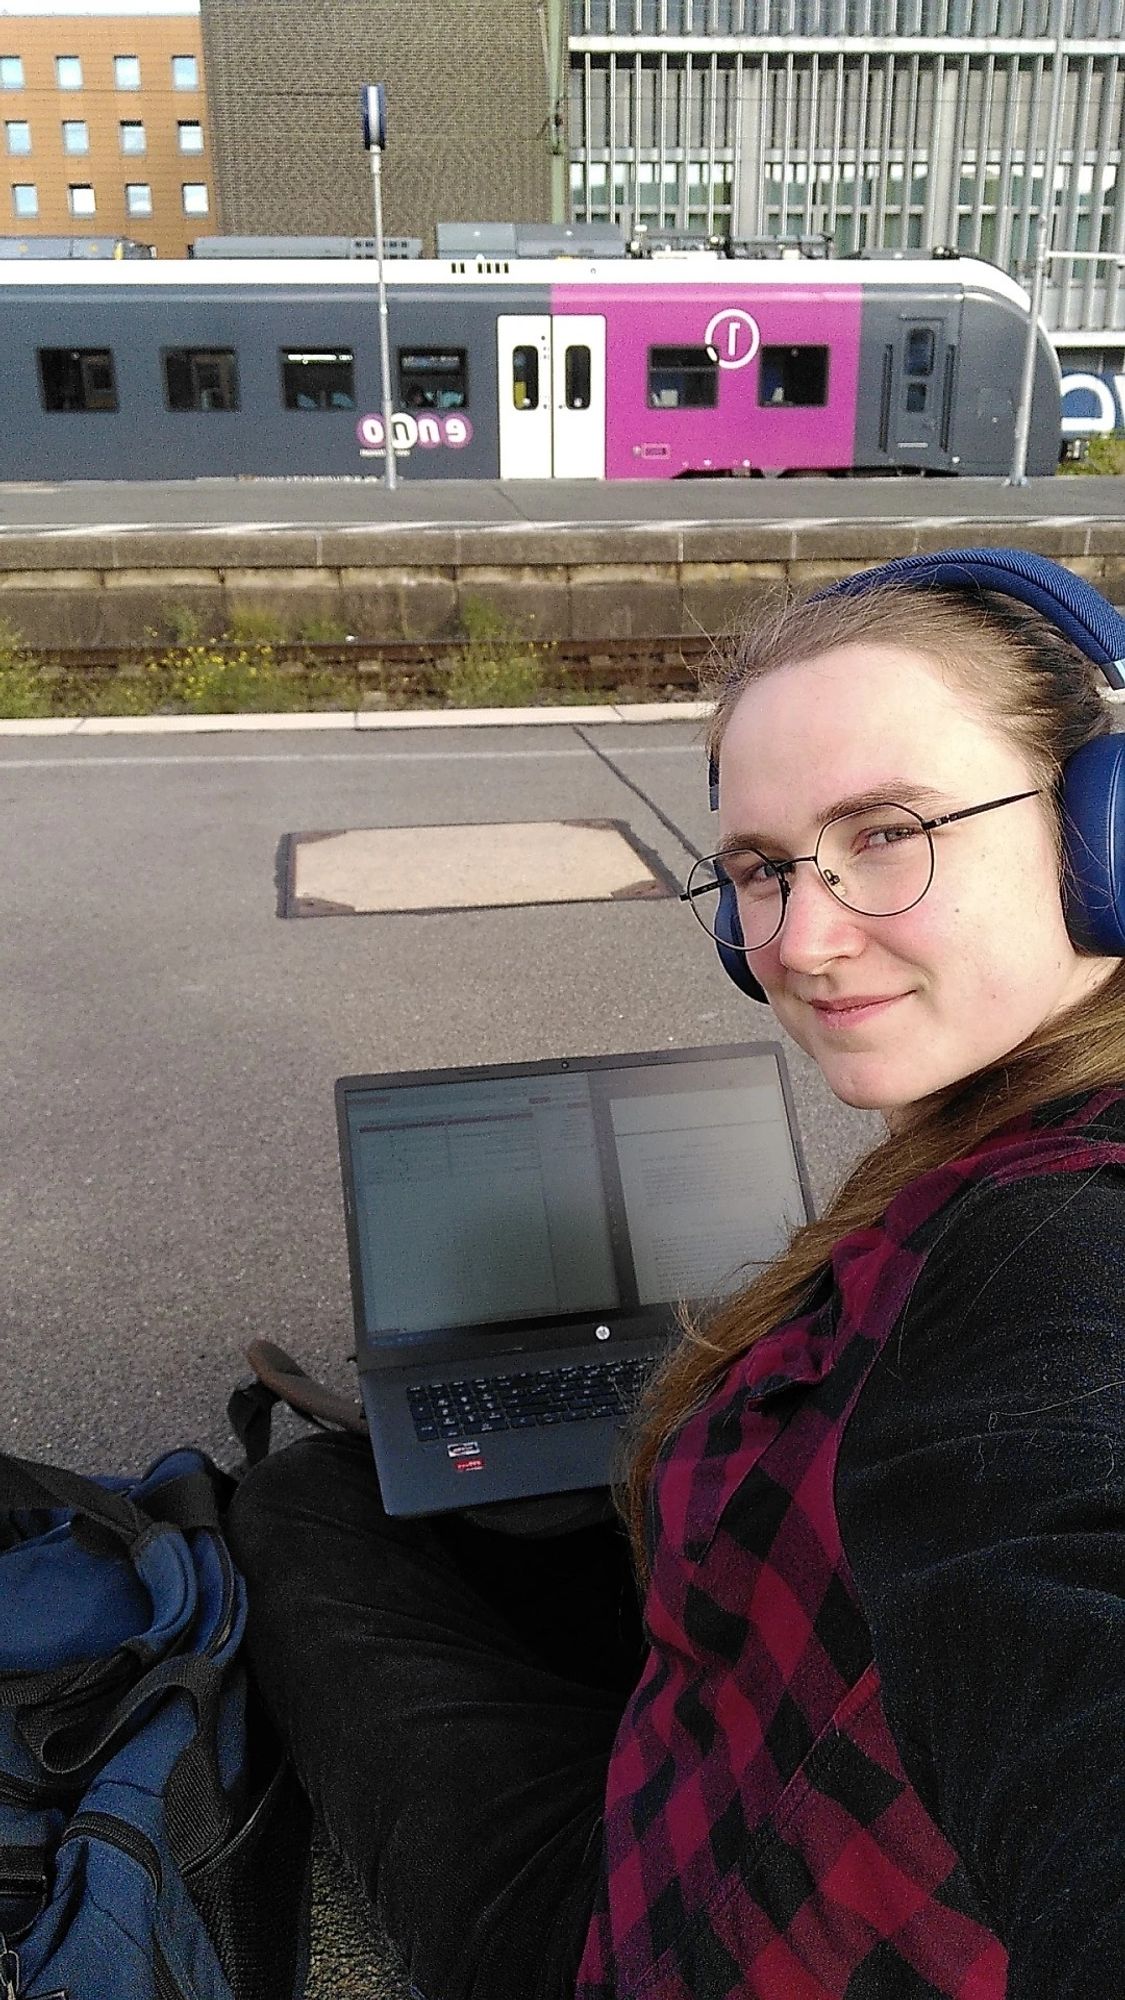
373	108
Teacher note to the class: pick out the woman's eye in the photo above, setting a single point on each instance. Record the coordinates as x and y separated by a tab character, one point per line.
756	876
888	836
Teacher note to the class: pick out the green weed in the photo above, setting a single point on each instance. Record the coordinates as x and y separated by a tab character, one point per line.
257	625
1103	455
182	624
497	669
24	694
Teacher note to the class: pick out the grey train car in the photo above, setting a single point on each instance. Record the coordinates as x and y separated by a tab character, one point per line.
591	369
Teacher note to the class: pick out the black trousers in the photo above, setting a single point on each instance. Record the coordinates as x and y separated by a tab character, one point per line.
450	1696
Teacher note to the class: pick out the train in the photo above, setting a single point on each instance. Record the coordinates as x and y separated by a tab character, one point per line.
518	368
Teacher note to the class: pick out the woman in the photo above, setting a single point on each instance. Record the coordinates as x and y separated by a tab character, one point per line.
869	1742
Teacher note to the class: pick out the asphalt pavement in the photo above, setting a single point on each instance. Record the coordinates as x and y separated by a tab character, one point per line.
169	1043
247	505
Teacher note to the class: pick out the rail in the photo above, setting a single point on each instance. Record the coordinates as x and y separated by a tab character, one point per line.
406	666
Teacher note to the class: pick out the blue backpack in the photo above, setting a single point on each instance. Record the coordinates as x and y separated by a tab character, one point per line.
153	1842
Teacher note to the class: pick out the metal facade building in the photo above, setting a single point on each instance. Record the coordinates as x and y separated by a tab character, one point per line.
897	124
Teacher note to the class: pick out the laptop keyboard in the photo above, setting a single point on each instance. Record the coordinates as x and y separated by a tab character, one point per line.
539	1396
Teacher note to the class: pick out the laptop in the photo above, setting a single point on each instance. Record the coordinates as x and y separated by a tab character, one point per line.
520	1236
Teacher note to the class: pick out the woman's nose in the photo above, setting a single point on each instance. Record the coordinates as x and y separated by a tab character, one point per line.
817	927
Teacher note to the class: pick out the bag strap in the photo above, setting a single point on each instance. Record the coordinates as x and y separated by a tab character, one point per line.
104	1521
25	1485
279	1379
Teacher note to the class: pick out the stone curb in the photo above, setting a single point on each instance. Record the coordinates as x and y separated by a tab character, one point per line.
358	720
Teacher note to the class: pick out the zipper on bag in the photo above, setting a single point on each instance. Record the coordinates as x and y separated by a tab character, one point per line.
30	1792
128	1841
115	1833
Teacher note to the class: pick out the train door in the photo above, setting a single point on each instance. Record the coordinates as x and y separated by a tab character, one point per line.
526	395
551	376
579	397
921	394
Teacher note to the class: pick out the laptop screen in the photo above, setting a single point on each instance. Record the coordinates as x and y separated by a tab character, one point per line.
498	1198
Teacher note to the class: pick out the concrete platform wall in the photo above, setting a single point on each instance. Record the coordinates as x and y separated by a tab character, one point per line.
77	589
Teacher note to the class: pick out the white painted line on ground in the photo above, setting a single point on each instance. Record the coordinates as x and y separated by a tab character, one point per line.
368	757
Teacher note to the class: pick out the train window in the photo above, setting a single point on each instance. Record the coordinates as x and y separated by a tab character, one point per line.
200	378
77	378
682	378
793	377
577	378
916	393
525	378
431	378
324	380
919	351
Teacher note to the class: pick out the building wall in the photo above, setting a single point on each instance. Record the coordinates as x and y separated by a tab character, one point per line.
897	124
467	109
37	41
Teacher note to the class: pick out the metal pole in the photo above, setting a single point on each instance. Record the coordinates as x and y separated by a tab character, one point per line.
1043	236
390	479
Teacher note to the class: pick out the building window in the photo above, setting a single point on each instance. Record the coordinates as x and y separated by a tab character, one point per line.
25	200
195	198
185	73
197	378
682	378
317	381
132	135
18	135
127	72
75	135
11	72
68	72
77	378
138	198
793	377
82	199
433	378
190	135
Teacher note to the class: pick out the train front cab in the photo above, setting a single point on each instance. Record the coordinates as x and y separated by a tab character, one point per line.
939	384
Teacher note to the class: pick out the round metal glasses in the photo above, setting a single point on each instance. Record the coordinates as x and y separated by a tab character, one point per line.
877	861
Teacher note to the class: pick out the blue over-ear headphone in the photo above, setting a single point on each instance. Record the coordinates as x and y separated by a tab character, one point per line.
1093	780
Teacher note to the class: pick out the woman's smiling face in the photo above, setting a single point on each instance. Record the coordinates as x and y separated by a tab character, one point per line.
894	1008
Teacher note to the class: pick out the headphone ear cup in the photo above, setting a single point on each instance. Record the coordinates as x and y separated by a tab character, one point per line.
1093	806
732	957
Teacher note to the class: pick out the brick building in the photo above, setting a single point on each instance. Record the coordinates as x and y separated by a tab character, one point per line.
468	113
105	129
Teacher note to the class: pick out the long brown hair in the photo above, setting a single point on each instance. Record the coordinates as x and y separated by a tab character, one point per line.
1042	696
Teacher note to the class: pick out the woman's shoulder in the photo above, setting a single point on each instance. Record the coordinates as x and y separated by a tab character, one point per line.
1022	1275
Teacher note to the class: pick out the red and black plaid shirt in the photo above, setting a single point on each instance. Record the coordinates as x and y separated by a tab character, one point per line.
762	1837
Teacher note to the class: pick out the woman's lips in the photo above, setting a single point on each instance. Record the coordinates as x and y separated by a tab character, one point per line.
853	1013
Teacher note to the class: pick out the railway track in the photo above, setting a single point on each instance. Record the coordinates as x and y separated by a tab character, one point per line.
406	666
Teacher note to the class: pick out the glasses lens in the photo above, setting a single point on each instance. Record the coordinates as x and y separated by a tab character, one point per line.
754	896
877	862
